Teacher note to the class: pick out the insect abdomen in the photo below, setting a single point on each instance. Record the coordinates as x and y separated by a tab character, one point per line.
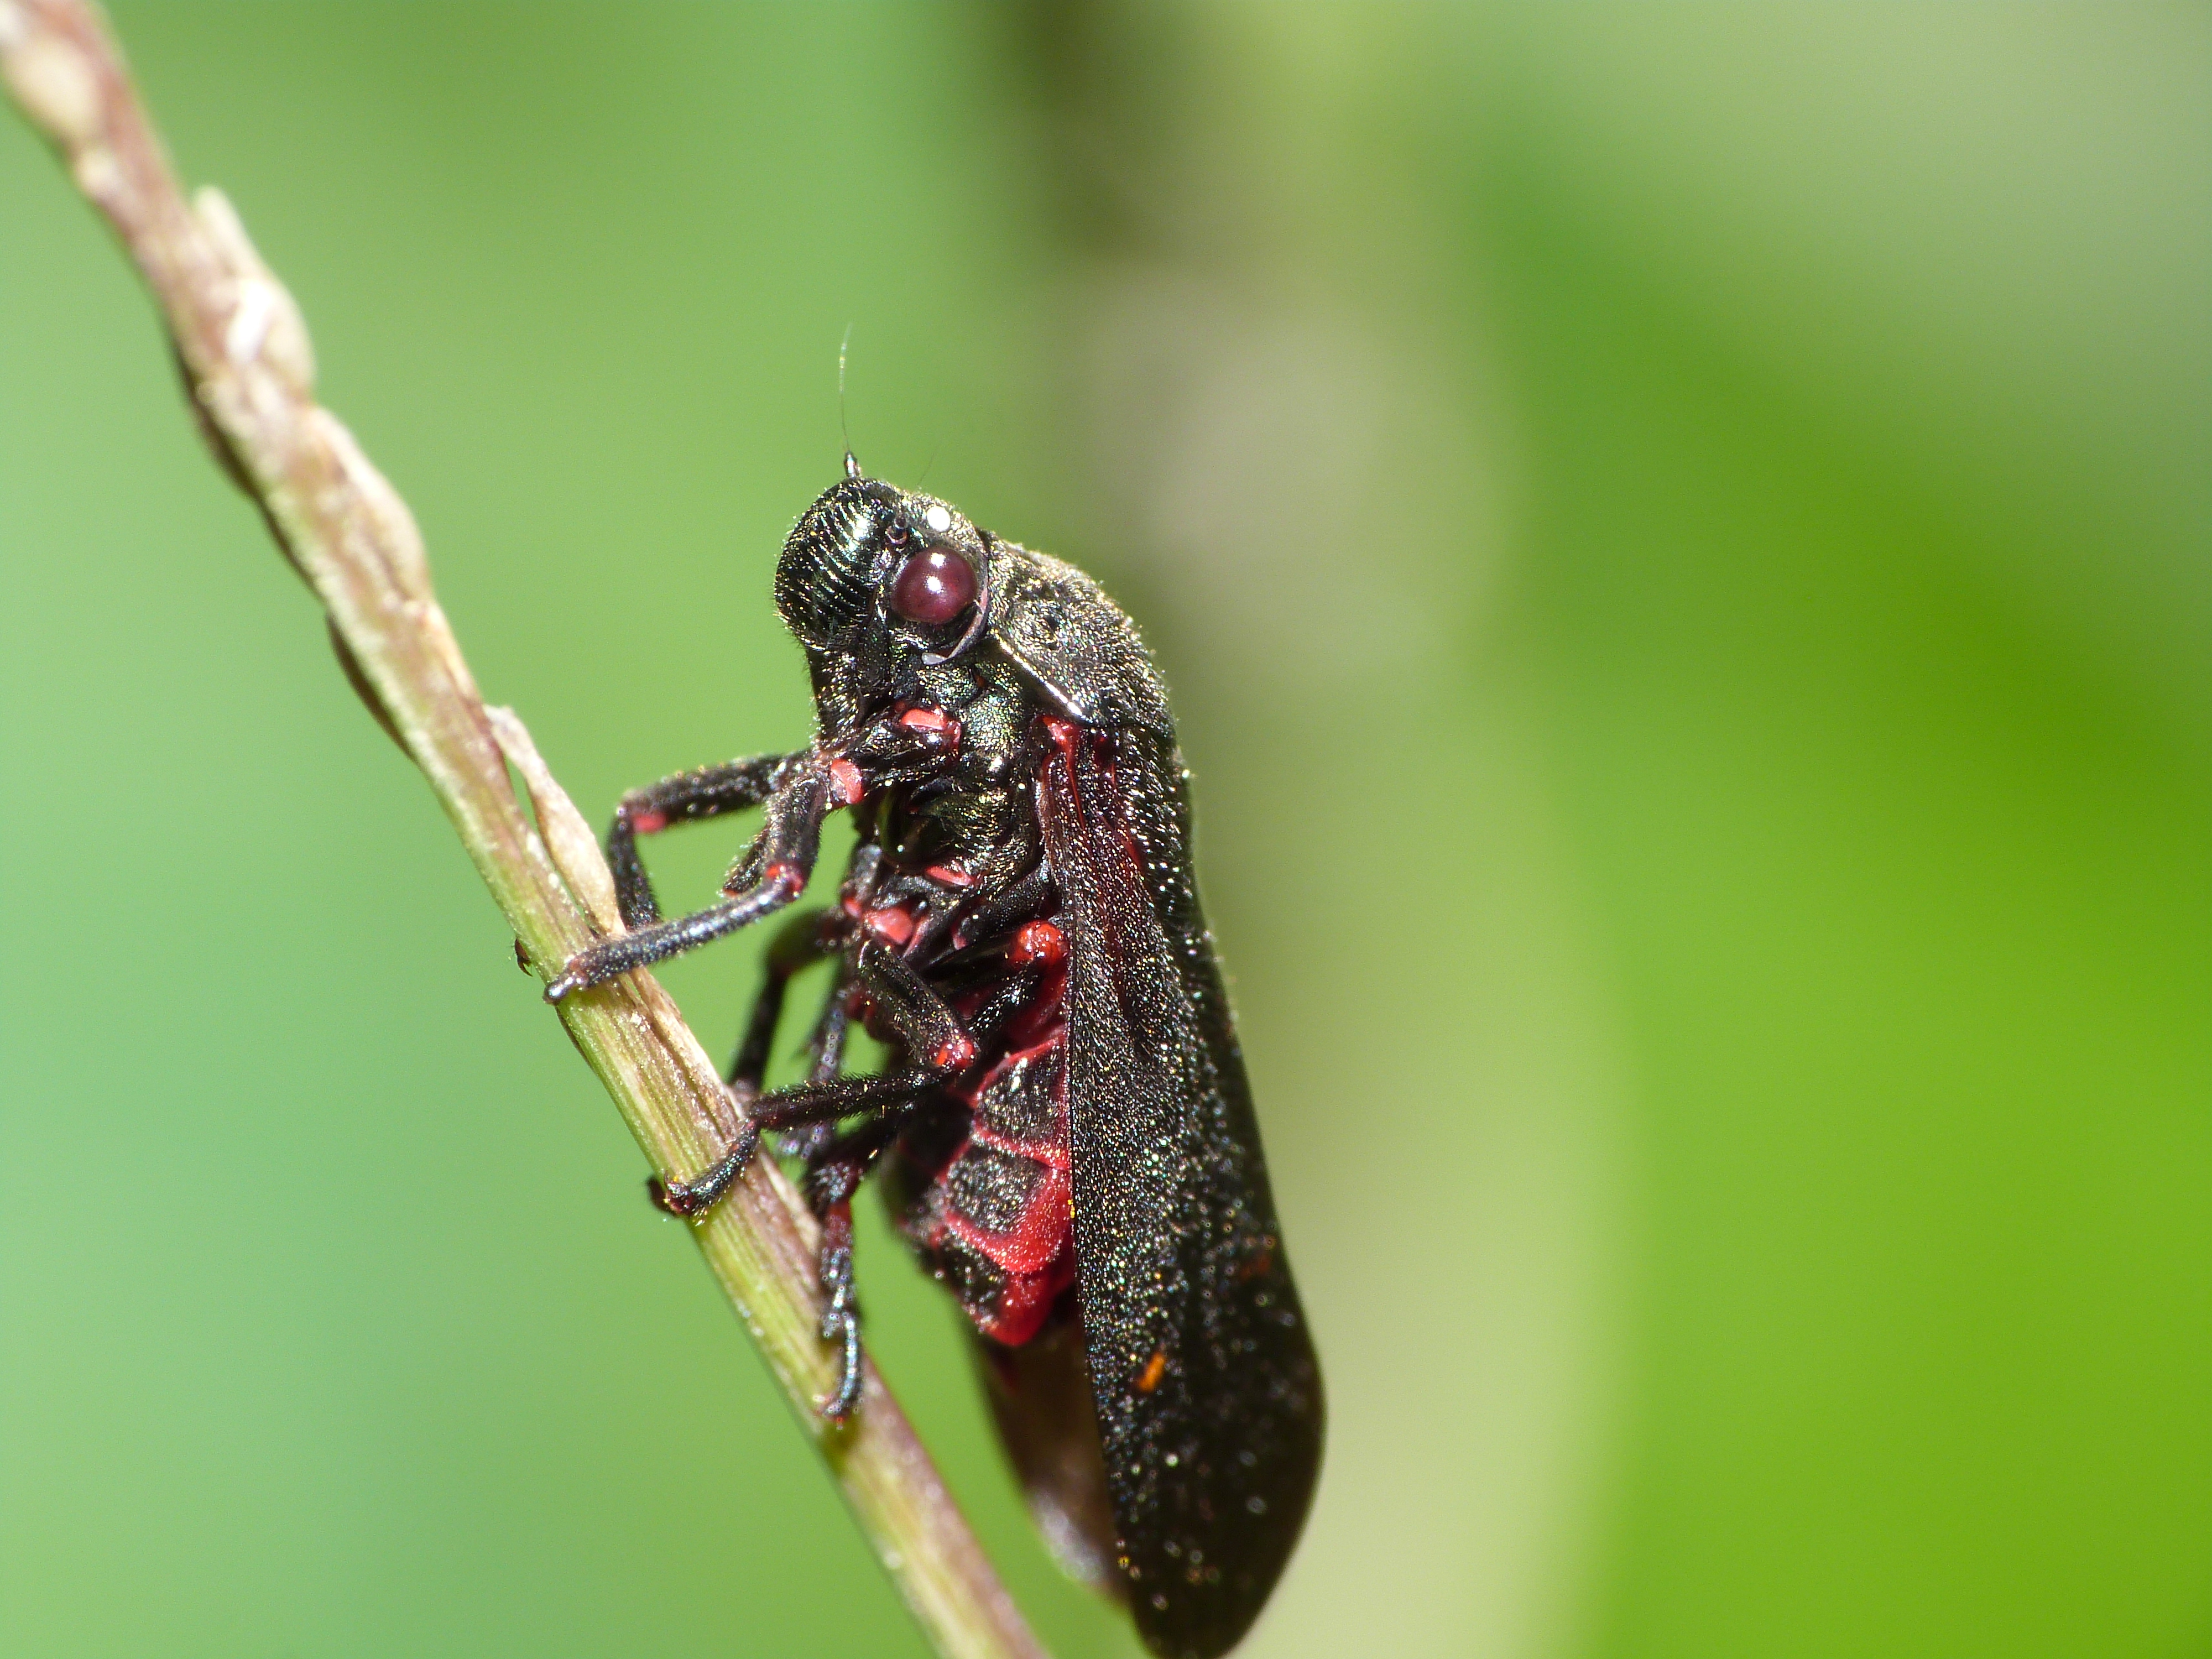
995	1222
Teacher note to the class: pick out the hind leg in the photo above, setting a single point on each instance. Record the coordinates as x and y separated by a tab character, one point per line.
834	1174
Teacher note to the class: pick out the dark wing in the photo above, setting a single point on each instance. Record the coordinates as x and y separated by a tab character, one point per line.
1207	1392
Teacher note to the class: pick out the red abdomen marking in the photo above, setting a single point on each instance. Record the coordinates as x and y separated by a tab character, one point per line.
997	1222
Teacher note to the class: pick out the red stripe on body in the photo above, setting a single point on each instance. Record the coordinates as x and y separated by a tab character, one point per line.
1038	1253
1038	1234
1052	1154
1025	1303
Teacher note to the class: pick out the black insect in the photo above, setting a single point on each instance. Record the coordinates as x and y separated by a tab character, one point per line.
1068	1138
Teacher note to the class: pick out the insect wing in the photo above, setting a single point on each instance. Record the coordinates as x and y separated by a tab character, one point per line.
1206	1388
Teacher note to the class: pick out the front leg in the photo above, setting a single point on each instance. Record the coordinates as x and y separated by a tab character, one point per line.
776	873
896	749
688	796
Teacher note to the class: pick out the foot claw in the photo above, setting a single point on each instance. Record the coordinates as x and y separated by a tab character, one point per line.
687	1199
840	1406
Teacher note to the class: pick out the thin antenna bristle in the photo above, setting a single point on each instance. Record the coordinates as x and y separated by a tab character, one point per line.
852	466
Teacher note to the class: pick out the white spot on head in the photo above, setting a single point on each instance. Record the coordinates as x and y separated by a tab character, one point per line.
938	520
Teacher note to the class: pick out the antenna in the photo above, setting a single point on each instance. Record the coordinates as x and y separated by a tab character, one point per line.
852	466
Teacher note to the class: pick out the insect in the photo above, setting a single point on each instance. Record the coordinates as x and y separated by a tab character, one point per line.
1063	1124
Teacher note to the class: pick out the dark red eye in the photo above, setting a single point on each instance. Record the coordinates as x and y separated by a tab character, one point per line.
932	587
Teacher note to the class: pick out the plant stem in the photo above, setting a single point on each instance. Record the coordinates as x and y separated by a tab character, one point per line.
244	351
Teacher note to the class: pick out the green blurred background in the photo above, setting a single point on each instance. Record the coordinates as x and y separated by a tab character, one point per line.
1679	537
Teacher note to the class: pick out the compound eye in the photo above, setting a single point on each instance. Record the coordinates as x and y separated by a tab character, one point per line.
932	587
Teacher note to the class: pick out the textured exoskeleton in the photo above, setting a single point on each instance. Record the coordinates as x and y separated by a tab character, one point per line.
1068	1137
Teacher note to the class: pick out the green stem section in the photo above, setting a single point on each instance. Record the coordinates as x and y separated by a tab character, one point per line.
244	352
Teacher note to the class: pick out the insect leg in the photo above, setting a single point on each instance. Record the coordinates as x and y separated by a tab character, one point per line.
1023	898
933	1033
922	1018
834	1174
689	1197
702	1191
1008	1000
707	792
827	1045
827	1048
776	871
797	946
842	1098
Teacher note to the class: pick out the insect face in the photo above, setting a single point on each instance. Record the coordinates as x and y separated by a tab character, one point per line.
867	555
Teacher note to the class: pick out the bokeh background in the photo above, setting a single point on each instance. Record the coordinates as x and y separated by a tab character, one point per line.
1679	537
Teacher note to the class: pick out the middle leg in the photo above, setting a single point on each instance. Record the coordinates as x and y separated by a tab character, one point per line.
796	946
826	1048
